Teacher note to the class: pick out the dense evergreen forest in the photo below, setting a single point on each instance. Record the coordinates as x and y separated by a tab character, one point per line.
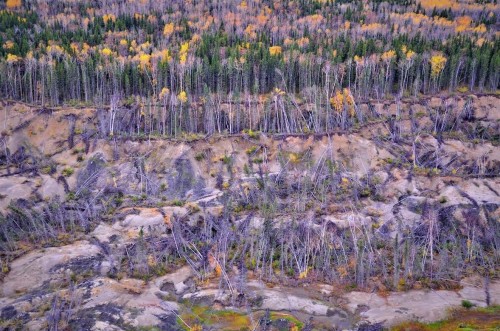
179	64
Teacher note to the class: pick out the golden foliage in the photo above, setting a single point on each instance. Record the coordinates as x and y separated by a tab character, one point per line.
165	56
218	270
278	91
342	271
8	44
480	42
81	51
168	29
481	28
183	53
182	96
313	20
416	18
164	92
250	31
106	51
55	49
152	19
462	23
133	45
438	62
371	27
144	47
420	22
441	21
11	58
440	4
275	50
303	42
195	38
13	4
151	261
389	55
337	101
262	19
183	58
360	60
349	99
108	17
408	53
294	158
144	61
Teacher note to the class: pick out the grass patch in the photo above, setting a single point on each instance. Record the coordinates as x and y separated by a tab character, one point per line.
219	319
461	319
177	203
228	320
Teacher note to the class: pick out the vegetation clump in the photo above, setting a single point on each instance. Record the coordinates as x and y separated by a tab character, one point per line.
487	319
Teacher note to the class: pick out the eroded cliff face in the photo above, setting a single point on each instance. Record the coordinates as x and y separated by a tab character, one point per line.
119	232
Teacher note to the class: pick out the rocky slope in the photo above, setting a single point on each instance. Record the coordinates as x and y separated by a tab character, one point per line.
397	219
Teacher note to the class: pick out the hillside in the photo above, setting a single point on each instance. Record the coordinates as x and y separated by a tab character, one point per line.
396	218
260	165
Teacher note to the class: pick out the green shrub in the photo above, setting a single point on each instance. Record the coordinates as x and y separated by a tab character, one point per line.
177	203
251	150
252	134
68	171
47	170
226	159
467	304
199	157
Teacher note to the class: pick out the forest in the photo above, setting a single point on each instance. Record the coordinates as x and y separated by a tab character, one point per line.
178	64
249	165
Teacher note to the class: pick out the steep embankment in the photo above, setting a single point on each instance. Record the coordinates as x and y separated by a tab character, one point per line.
114	232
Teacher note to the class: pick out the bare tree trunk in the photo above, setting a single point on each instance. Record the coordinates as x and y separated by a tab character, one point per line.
487	289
